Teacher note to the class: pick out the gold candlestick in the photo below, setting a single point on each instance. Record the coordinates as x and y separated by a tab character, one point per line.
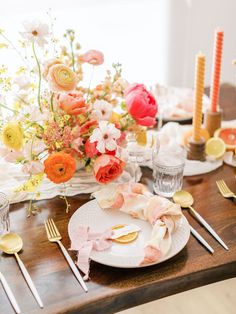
212	121
196	150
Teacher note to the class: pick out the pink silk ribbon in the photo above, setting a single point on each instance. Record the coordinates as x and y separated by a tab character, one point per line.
84	242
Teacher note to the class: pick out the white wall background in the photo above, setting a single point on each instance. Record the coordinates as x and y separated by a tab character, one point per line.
155	40
191	29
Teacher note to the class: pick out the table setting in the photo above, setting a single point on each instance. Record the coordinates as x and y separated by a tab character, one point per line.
105	195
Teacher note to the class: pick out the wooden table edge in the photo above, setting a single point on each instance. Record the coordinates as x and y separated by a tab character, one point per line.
133	297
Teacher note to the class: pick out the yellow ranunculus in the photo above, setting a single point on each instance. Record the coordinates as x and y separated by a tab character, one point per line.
12	135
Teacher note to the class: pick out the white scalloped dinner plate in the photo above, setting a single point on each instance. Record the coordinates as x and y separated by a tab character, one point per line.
124	255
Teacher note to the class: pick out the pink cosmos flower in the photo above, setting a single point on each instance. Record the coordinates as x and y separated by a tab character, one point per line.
141	104
93	57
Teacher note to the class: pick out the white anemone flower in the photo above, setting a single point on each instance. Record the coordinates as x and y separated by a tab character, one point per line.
35	31
105	135
102	110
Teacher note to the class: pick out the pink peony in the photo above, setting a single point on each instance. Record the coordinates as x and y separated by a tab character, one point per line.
93	57
141	104
72	103
107	168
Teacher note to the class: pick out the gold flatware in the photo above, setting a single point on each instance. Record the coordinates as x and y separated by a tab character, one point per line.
224	189
54	236
185	200
11	243
10	294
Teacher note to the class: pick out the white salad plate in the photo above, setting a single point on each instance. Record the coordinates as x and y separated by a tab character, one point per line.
124	255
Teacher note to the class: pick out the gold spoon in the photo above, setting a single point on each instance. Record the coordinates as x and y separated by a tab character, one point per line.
185	200
11	243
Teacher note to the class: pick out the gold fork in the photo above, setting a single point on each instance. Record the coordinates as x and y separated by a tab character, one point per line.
54	236
224	190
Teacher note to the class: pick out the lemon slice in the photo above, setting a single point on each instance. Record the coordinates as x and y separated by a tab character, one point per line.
215	147
125	238
141	137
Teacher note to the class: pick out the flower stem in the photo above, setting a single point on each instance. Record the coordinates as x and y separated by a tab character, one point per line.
63	197
40	78
16	50
90	82
31	149
5	107
51	102
72	55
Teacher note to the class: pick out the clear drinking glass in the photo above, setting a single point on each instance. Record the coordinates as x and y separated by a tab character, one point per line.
168	168
4	214
140	154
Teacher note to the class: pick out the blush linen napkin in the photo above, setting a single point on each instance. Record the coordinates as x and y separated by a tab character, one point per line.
133	199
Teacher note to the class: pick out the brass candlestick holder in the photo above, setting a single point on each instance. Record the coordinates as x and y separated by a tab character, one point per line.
212	121
196	150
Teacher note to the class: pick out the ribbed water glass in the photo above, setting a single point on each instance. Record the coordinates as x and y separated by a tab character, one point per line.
168	168
4	214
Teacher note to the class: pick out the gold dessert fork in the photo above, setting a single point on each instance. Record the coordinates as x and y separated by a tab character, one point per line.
54	236
224	190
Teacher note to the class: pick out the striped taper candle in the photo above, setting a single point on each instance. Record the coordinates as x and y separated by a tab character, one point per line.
198	94
216	66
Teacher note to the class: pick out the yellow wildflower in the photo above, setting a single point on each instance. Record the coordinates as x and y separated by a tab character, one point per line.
12	135
3	45
32	184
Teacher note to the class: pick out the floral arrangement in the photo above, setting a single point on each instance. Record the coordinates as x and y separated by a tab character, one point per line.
55	121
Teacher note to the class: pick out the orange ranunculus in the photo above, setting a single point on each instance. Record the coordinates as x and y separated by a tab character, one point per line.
48	64
60	167
61	78
88	127
107	168
72	103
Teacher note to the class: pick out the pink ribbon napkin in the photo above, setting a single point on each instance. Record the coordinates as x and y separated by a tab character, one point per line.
135	200
84	241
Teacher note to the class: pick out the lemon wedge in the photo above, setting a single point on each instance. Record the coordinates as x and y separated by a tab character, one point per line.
215	147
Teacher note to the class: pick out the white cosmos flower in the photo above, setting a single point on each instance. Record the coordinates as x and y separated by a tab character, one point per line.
102	110
105	135
35	31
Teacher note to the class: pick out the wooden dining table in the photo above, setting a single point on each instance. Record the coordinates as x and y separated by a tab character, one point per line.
114	289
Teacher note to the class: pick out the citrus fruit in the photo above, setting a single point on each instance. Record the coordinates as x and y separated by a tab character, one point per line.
228	135
125	238
215	147
141	137
188	134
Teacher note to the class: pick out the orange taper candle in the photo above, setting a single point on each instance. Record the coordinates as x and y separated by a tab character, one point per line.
199	91
215	80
